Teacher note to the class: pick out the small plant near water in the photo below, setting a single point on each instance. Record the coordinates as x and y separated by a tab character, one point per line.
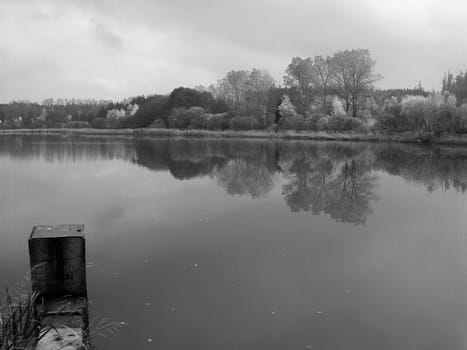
104	327
22	325
19	322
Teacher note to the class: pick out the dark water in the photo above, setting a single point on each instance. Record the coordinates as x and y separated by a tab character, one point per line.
225	244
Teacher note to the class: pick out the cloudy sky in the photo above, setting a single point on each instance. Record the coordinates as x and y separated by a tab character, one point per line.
119	48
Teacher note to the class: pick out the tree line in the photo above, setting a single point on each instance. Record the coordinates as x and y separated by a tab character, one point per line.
333	94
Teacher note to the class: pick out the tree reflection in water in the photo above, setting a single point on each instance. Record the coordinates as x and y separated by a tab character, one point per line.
239	176
337	179
341	189
321	178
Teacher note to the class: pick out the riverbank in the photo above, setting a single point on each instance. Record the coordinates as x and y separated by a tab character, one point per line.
290	135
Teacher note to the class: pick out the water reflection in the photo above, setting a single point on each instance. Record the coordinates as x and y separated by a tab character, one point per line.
344	191
65	149
321	178
436	168
173	224
337	179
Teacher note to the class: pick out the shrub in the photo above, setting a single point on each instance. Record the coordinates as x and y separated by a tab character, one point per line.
392	106
286	108
179	118
389	122
322	124
98	123
78	125
158	124
341	123
460	119
116	123
312	119
183	118
443	120
292	122
199	121
433	113
413	108
5	126
218	121
244	123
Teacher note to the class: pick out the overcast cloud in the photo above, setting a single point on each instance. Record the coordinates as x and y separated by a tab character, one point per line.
115	49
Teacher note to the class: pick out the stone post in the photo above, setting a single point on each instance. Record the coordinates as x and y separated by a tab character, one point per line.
58	274
58	261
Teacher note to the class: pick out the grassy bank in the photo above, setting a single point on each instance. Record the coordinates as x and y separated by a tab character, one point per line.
292	135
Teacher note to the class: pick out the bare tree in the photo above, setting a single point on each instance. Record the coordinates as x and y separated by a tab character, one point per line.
354	76
323	75
247	91
233	88
258	85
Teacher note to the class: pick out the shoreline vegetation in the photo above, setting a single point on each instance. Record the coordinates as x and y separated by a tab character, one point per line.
408	137
19	322
322	98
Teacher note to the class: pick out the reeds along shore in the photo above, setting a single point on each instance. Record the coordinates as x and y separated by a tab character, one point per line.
409	137
19	322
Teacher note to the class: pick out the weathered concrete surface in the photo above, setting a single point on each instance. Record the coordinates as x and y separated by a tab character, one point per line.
66	305
57	231
62	338
64	323
58	260
66	312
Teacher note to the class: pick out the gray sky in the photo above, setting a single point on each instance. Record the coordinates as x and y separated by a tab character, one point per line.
118	48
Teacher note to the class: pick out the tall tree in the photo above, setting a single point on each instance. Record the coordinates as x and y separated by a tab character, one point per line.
258	85
299	76
323	75
233	88
246	91
448	82
354	77
186	97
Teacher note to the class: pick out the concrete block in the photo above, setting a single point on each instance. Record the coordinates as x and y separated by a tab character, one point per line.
58	261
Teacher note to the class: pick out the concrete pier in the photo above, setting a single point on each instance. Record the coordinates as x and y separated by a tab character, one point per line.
58	273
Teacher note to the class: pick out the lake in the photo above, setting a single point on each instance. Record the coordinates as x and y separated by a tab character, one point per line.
251	244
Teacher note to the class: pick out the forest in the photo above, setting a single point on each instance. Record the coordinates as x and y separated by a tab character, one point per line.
329	94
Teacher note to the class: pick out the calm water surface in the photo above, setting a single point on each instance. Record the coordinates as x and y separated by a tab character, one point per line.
222	244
